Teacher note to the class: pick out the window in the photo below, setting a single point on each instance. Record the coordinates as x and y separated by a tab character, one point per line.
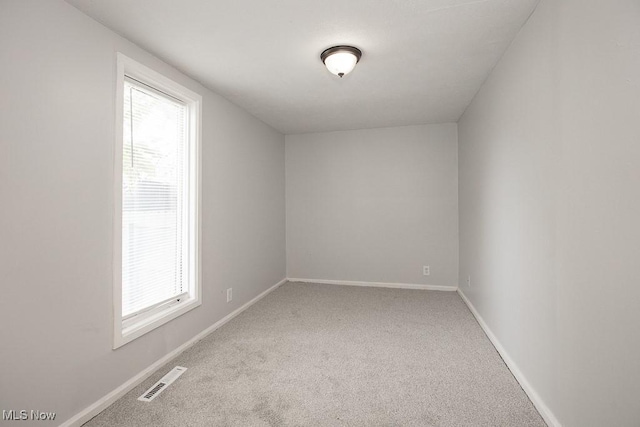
156	232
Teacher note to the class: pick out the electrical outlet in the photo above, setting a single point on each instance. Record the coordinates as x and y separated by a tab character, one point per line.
469	281
229	294
425	270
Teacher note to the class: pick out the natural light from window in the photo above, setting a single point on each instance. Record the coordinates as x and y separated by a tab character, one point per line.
157	216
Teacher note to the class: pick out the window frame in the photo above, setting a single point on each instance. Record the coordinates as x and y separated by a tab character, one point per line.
127	330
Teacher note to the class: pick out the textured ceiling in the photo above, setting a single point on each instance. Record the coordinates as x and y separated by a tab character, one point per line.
423	60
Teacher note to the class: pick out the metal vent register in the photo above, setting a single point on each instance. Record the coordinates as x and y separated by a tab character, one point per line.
161	385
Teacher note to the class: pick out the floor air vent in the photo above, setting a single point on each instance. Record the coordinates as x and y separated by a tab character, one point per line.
161	385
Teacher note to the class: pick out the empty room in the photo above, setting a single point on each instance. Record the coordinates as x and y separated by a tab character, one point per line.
320	213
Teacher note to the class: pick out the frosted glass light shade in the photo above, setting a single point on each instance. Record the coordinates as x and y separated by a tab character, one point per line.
341	63
341	60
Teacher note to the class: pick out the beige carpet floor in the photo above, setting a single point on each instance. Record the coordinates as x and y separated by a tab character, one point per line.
323	355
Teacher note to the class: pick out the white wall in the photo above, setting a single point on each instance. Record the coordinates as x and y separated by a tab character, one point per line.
549	208
57	139
373	205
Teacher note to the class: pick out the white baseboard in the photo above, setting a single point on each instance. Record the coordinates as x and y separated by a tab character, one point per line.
377	284
535	398
100	405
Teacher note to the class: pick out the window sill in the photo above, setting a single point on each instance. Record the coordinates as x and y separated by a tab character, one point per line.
137	328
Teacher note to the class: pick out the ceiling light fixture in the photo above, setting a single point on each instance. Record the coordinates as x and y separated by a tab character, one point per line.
341	60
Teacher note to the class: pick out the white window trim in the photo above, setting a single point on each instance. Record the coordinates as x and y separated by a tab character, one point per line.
132	329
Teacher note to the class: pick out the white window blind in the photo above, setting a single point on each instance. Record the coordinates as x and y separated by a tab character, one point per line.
155	199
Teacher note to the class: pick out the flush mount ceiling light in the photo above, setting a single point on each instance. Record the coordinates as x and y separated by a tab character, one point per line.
341	60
